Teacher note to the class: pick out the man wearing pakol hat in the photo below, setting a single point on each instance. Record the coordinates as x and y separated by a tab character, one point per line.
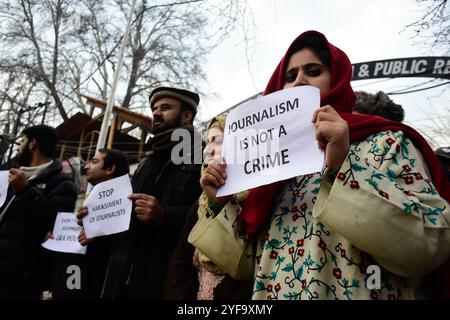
163	191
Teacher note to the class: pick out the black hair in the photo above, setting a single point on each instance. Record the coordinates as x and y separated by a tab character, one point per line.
315	43
117	158
378	104
45	136
187	107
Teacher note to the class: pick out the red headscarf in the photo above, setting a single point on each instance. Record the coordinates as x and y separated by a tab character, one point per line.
342	98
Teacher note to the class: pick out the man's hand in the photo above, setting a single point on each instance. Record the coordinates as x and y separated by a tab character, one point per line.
17	180
213	178
332	136
82	239
48	236
147	208
82	212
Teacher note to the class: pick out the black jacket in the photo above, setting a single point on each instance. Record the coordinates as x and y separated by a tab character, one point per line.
29	217
140	256
182	281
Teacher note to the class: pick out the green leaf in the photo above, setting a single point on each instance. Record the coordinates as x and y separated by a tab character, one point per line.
347	293
372	183
417	207
274	243
317	181
357	167
273	276
279	223
309	262
305	225
259	285
391	174
333	258
377	175
315	191
345	282
279	261
407	207
355	283
284	210
434	211
394	158
405	150
291	295
288	268
299	273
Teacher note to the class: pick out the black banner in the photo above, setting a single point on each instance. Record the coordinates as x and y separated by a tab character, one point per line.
433	67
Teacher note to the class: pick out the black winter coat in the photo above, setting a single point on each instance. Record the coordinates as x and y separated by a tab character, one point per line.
31	214
140	256
182	281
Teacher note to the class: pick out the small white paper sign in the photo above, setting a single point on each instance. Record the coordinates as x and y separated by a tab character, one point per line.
109	209
3	186
65	235
270	139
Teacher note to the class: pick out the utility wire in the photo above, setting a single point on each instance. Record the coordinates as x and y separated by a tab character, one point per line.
417	90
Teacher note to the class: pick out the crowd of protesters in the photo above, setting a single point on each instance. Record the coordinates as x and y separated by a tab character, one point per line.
381	199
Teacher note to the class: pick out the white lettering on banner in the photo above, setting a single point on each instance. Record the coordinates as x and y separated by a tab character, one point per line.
439	67
405	67
3	186
270	139
109	209
65	235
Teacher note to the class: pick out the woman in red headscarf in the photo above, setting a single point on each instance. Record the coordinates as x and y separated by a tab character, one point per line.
371	225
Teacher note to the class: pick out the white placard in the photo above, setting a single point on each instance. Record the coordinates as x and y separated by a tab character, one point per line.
3	186
109	209
65	235
270	139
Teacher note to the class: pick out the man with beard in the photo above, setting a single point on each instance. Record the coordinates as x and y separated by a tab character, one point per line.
38	190
163	192
105	165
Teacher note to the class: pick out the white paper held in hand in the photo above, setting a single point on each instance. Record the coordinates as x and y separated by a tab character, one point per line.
65	235
109	209
270	139
3	186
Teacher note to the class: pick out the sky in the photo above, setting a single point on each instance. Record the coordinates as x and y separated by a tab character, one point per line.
366	30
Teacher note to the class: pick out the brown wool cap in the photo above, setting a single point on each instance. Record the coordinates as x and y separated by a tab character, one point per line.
190	98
